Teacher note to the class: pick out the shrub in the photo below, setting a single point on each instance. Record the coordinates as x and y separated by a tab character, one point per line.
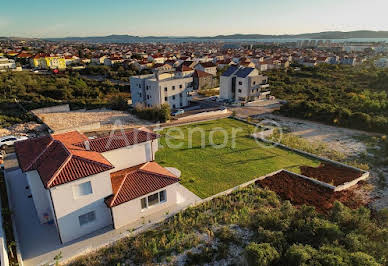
300	254
160	114
261	254
362	259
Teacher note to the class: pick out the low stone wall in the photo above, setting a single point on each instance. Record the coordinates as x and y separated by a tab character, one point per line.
203	114
53	109
83	128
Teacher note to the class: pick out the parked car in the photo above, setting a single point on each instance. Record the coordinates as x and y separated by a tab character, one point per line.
213	98
178	112
10	140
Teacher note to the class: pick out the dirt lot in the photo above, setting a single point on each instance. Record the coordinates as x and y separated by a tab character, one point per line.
346	141
340	139
330	174
301	191
82	118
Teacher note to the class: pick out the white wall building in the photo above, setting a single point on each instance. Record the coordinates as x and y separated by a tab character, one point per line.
84	185
242	84
6	63
382	62
157	89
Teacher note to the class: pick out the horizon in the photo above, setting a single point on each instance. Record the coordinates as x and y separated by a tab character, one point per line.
192	36
44	19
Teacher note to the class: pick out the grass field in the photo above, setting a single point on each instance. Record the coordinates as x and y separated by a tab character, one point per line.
208	171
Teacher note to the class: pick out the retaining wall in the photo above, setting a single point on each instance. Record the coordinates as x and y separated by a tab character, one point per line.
53	109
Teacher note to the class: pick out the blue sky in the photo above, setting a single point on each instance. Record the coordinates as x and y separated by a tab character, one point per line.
54	18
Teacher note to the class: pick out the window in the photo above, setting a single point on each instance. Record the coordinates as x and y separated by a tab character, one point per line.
173	97
254	83
87	218
239	90
165	89
174	106
162	196
153	199
82	189
165	98
180	86
239	83
173	87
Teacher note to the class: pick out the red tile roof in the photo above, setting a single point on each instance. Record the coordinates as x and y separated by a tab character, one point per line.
57	160
202	74
134	182
119	140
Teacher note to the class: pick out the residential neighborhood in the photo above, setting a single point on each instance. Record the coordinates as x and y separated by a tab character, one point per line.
193	133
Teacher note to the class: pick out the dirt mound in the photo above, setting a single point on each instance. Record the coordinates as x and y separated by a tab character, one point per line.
301	191
330	173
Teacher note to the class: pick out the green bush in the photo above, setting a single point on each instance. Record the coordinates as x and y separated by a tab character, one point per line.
261	254
155	114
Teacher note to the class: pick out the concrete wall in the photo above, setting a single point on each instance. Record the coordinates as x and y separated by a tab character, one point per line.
132	155
52	109
131	211
40	196
225	87
68	208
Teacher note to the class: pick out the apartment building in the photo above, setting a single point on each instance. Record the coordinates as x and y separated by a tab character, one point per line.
242	84
159	88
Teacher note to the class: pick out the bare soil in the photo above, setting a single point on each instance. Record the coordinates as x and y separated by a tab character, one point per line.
330	173
301	191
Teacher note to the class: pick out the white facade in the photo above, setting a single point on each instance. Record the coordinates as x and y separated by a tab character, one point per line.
132	155
243	84
40	196
69	207
78	211
152	90
6	63
131	211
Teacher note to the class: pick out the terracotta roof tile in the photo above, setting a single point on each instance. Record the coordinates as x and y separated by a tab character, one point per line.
134	182
57	160
119	140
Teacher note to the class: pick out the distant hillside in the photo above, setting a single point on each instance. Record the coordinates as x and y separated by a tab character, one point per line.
320	35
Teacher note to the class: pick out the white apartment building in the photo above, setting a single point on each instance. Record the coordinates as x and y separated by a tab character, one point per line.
242	84
6	63
156	89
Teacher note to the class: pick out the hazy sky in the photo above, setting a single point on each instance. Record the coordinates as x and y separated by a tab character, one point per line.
54	18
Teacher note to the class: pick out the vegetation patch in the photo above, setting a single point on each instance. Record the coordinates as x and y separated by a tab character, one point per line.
279	234
348	96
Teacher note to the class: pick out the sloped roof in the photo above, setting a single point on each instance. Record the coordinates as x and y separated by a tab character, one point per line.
202	74
244	72
119	140
134	182
230	71
57	160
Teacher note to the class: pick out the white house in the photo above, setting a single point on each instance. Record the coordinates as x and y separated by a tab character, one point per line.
242	84
83	185
157	89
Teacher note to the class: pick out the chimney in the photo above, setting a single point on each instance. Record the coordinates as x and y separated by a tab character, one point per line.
87	145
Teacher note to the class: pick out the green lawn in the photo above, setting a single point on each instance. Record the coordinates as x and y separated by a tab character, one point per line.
208	171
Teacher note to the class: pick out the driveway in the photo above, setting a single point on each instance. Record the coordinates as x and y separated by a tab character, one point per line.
39	243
